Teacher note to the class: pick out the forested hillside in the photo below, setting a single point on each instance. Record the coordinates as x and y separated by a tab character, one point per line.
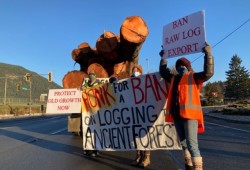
16	75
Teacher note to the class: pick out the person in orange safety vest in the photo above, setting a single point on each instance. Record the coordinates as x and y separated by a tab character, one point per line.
183	105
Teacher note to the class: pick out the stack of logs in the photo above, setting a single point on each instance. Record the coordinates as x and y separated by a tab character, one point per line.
112	55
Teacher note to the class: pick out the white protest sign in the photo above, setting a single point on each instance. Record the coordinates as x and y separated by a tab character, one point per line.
128	115
64	101
184	36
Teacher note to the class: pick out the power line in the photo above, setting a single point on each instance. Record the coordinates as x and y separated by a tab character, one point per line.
225	37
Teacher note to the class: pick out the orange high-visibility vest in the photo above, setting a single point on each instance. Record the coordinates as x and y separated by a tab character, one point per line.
189	100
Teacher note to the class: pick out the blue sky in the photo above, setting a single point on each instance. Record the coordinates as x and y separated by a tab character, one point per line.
41	34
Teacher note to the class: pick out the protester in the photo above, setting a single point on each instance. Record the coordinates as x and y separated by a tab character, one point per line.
92	82
183	105
142	158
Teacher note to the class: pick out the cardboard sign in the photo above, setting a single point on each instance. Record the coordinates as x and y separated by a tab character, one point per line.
128	115
64	101
184	36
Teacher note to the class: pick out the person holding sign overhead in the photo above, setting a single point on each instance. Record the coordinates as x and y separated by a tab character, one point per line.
183	105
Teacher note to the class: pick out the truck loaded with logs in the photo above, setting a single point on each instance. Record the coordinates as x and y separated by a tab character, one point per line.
112	55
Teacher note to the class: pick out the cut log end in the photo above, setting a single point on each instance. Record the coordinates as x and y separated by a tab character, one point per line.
134	29
76	54
73	79
107	42
100	71
84	47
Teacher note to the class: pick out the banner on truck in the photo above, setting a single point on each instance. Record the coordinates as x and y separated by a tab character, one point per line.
128	115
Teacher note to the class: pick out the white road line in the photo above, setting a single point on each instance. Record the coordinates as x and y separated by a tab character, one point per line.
13	126
5	127
229	127
58	131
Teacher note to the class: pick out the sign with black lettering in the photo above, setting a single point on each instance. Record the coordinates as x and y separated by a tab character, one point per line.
184	36
128	115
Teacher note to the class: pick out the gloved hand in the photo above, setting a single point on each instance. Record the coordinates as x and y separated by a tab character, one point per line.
207	50
161	53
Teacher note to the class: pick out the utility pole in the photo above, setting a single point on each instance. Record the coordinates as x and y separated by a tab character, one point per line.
30	97
5	90
6	84
147	64
28	79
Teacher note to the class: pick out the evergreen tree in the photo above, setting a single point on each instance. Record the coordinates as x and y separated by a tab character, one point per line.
214	92
237	83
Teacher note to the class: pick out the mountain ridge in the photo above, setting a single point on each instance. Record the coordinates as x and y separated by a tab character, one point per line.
11	75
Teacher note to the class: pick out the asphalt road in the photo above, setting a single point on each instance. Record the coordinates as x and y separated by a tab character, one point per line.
43	143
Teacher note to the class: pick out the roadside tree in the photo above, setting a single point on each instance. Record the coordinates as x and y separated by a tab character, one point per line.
237	83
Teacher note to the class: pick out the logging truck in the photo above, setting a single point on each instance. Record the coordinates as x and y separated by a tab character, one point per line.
112	55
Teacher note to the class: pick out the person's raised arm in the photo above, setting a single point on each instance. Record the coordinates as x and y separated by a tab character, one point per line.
164	71
208	61
208	68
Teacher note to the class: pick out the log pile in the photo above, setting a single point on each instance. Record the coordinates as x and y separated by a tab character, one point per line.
112	54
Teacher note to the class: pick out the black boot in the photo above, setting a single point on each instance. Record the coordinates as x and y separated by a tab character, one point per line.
138	158
188	167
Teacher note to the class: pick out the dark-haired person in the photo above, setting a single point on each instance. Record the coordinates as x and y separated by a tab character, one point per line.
184	107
